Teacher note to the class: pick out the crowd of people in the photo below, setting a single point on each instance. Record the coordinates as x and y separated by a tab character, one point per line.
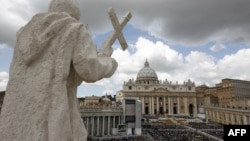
177	135
216	133
198	125
213	129
163	132
160	125
120	138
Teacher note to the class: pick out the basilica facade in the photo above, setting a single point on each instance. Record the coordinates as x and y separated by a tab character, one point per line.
160	97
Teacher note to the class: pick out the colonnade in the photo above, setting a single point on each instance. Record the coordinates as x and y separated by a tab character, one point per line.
101	125
228	116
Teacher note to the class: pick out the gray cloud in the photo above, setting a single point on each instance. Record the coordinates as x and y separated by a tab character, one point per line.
192	22
7	34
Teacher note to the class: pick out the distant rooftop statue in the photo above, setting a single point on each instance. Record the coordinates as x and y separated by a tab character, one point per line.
106	99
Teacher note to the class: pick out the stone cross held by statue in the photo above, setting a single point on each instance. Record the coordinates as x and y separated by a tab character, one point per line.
118	28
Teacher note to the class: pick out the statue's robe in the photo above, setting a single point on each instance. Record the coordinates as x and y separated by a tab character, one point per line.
54	53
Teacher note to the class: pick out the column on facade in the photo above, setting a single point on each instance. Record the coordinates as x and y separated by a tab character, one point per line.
119	120
98	126
153	105
195	106
157	105
236	119
217	115
210	113
227	118
149	105
108	125
87	124
114	117
164	104
103	125
214	114
143	104
169	105
92	125
245	120
178	105
220	116
232	118
186	105
242	119
239	119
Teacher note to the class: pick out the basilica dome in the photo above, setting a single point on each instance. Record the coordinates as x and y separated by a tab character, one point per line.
147	73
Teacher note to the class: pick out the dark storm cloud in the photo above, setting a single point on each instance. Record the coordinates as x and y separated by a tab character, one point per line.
179	21
7	34
203	20
188	22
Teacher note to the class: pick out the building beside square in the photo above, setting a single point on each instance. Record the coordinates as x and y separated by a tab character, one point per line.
103	117
99	115
160	97
226	103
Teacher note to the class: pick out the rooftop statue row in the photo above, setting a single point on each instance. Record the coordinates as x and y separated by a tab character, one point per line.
165	82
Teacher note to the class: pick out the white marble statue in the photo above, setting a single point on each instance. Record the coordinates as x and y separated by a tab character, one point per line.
54	53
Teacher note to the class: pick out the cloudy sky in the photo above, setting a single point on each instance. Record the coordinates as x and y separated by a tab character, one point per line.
201	40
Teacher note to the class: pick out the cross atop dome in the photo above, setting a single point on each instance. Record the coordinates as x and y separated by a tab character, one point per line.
146	64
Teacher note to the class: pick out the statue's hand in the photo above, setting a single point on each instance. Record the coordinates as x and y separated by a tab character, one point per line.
105	50
105	53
